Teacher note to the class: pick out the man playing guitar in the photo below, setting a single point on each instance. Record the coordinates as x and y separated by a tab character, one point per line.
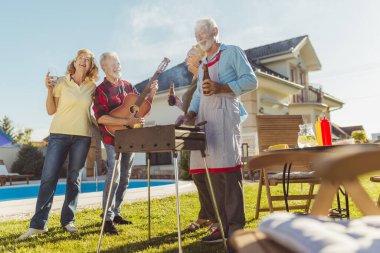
109	95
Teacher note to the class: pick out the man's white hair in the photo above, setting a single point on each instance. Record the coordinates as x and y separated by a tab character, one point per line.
209	23
105	55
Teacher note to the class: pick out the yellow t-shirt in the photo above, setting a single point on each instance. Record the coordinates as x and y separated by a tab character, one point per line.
73	111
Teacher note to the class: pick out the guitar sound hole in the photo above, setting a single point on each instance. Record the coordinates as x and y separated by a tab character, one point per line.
131	146
155	145
134	109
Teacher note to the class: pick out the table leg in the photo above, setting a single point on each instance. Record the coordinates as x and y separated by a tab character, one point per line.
360	197
347	205
115	167
286	184
175	154
148	176
324	198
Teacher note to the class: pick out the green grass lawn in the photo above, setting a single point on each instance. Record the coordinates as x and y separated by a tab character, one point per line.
134	238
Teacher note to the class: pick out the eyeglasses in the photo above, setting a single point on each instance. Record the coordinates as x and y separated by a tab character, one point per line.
85	59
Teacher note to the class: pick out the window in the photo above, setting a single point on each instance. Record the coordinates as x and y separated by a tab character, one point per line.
293	76
303	77
162	158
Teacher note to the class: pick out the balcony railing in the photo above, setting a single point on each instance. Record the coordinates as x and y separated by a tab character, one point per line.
312	93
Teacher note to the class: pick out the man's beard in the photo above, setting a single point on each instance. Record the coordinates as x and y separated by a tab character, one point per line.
116	74
208	45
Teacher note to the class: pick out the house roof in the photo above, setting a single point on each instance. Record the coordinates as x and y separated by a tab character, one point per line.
260	67
178	74
182	77
338	131
281	47
350	129
6	136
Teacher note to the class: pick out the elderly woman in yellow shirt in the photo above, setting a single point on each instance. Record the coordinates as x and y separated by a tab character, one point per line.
69	99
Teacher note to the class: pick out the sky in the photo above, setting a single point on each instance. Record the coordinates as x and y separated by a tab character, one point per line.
39	35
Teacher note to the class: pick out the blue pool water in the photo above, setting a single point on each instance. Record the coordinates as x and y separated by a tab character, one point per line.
31	191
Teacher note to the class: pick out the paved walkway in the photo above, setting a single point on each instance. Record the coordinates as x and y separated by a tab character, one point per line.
24	209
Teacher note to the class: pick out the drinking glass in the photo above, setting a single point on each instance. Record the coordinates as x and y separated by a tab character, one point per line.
53	74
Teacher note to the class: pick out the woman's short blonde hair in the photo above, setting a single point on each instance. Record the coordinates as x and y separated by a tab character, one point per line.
196	51
92	74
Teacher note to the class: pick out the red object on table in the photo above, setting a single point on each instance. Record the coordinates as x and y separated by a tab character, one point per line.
326	132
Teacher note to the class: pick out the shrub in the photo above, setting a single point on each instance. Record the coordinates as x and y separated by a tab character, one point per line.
184	165
359	136
30	160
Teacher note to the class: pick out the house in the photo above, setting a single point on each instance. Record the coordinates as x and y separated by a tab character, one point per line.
338	133
5	139
282	69
8	151
376	137
350	129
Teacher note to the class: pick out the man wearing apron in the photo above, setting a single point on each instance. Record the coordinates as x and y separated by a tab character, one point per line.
216	100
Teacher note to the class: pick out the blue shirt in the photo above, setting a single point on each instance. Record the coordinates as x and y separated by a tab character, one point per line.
234	70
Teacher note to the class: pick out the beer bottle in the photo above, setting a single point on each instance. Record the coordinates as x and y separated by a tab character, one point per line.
206	75
171	99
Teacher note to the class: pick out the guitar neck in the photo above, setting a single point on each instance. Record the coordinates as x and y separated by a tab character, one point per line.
146	90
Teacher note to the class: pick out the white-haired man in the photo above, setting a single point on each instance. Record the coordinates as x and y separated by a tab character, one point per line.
108	96
216	100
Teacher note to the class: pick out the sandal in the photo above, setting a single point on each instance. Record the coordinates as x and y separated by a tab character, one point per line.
195	226
213	227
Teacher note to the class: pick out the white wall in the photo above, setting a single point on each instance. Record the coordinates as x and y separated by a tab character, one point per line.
280	67
9	155
161	113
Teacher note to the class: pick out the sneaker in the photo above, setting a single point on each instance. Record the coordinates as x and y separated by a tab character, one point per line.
214	237
109	228
120	220
31	232
70	228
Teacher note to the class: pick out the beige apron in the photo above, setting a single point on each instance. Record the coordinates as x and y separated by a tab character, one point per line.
221	111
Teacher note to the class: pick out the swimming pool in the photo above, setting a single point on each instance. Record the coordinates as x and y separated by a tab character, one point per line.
31	191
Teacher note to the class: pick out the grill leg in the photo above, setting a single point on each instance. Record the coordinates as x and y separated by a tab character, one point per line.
115	167
214	201
148	167
175	154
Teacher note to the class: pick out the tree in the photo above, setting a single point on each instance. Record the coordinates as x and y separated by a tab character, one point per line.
21	137
6	126
184	165
24	137
30	160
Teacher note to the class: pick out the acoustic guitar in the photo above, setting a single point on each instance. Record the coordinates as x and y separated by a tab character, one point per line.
136	105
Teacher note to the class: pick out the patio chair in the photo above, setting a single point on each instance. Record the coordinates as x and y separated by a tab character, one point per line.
376	179
3	180
273	130
338	167
11	176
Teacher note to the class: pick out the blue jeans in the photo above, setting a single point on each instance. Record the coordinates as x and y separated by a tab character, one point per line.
121	181
61	145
